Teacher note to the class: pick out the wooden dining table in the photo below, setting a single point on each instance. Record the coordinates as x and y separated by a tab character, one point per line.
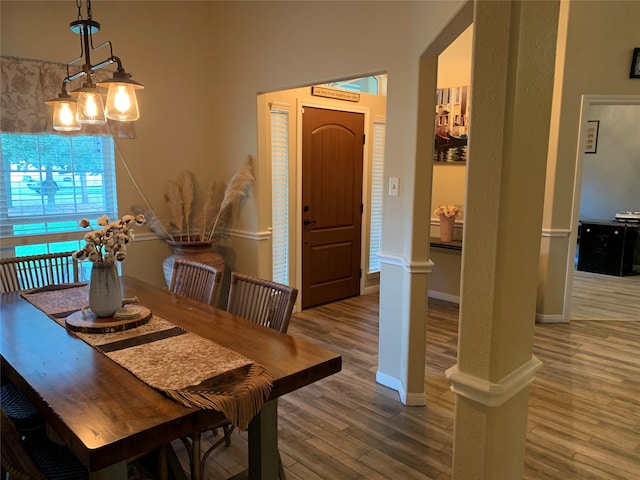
106	415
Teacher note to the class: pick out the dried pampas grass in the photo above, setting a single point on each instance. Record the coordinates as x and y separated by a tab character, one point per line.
173	197
181	196
153	222
211	206
185	180
236	189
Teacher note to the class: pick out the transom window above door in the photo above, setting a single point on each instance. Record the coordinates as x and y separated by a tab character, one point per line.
375	85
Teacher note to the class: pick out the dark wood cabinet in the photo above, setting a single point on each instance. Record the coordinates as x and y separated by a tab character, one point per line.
611	248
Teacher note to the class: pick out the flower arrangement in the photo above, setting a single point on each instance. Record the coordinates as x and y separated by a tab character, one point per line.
448	210
185	218
108	244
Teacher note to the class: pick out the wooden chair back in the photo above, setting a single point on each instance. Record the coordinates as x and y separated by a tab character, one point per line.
261	301
33	271
196	280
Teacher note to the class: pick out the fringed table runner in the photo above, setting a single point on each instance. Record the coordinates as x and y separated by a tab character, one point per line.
188	368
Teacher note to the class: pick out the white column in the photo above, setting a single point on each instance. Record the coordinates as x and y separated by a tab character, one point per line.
512	83
404	276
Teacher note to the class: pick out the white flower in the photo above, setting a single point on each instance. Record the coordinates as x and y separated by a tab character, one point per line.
448	210
108	244
91	237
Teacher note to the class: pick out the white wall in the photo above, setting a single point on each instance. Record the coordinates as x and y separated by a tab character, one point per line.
611	176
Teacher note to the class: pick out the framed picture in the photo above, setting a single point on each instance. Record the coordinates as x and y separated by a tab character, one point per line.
591	140
452	121
635	64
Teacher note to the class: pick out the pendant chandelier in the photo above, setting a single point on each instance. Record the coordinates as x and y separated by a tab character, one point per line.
85	105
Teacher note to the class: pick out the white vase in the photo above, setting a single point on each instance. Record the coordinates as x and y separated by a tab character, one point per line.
105	294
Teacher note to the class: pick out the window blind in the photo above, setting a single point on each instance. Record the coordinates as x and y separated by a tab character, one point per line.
280	192
49	182
377	191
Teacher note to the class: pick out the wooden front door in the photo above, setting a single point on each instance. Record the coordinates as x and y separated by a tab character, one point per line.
332	155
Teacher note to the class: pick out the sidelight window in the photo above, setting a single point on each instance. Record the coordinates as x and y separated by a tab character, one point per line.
280	193
377	193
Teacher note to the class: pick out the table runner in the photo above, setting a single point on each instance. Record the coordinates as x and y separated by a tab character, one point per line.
192	370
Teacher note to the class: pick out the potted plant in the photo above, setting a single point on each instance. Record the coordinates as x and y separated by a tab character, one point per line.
104	247
192	227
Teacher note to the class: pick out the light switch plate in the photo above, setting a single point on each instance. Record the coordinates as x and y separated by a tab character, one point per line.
394	186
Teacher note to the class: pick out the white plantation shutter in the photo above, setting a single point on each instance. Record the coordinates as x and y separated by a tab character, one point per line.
280	192
377	191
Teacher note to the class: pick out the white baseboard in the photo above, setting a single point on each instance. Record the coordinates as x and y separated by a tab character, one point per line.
388	381
372	289
542	318
409	399
414	399
444	296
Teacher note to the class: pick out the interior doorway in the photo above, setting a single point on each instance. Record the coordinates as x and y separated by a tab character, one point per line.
280	150
581	286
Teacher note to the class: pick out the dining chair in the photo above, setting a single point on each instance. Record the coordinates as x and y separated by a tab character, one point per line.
263	302
20	410
38	458
200	282
196	280
22	273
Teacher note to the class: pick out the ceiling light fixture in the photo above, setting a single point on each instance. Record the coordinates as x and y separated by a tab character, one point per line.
84	105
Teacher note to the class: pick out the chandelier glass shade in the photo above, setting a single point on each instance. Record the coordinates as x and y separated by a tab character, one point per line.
64	116
85	105
122	104
89	106
64	113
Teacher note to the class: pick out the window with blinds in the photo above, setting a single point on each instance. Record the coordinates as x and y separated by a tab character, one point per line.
49	182
280	192
377	191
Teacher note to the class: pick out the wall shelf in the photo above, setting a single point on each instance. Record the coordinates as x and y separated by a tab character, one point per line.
435	242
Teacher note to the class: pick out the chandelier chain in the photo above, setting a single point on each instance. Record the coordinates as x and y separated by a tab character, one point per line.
79	5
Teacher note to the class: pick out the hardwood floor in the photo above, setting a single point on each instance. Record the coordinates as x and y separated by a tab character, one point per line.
584	408
605	297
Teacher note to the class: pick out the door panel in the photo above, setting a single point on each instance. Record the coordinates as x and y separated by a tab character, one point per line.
332	149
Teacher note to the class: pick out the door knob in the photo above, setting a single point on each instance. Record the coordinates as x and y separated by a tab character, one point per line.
308	222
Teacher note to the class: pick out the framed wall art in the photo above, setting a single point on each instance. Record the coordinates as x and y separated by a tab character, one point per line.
452	120
635	64
591	139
